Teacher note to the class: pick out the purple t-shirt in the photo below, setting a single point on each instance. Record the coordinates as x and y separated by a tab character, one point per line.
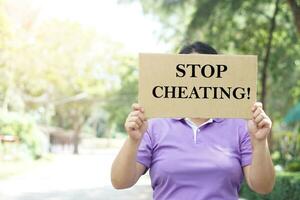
208	166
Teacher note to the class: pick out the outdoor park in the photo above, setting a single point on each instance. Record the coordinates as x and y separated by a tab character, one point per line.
69	75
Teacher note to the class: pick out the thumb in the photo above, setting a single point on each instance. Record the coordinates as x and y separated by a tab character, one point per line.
252	127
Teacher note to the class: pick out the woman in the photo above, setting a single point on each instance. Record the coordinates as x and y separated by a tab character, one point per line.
196	158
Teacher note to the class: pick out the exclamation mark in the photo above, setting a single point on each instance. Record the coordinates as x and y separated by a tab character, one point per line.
248	92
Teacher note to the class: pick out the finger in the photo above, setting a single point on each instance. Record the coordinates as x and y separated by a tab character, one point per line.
264	123
139	114
133	125
257	105
134	113
259	118
129	116
136	106
137	120
142	116
257	112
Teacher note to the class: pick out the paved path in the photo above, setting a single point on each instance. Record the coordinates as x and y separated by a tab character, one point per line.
82	177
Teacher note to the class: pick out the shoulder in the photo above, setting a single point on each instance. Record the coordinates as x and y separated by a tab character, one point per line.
160	127
237	125
155	123
234	121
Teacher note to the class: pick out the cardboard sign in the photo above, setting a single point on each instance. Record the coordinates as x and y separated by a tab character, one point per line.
197	85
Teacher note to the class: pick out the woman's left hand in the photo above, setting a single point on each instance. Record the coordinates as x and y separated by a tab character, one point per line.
260	124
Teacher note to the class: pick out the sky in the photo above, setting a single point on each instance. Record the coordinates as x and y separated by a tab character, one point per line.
124	23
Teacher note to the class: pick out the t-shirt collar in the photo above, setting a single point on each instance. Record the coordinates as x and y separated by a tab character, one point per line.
218	120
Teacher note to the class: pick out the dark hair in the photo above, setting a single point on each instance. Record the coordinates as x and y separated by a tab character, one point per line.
198	47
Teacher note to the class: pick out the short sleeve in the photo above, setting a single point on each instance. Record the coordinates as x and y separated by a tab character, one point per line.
144	154
245	147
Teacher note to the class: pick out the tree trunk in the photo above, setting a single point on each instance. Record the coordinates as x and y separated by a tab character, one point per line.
79	121
76	143
9	89
296	13
264	76
6	100
76	138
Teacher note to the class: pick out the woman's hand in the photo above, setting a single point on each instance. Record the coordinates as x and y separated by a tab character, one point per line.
136	123
260	124
260	175
125	170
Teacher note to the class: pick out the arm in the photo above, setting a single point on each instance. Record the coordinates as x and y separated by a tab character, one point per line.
260	175
125	171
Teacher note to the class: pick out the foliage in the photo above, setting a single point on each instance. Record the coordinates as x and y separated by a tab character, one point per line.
59	70
287	187
287	145
56	71
293	166
296	90
121	99
26	131
239	27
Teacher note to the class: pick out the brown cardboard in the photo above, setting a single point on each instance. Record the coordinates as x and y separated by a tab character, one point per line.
239	74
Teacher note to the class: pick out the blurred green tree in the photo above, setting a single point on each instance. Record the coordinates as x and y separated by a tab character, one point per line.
120	100
295	7
265	28
57	71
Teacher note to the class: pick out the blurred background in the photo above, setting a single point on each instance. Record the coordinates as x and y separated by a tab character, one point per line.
68	76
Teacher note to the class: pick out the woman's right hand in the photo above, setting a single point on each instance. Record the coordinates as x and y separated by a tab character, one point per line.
136	123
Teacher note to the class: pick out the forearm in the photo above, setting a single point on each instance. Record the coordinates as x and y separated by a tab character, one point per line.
262	174
124	172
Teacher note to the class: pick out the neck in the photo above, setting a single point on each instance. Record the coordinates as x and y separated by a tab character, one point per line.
198	121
